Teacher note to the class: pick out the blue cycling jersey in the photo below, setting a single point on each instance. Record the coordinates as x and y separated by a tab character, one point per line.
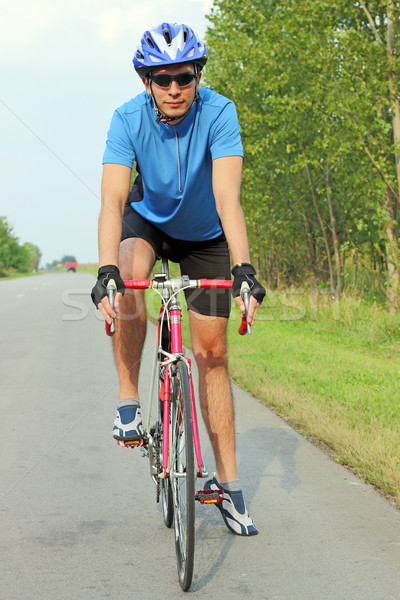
176	160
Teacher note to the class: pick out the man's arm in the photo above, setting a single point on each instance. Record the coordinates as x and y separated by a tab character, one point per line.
114	193
227	174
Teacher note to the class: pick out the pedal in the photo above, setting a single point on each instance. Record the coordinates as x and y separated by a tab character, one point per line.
130	443
209	496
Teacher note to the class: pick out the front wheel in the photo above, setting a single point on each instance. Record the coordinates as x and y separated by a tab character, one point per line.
183	476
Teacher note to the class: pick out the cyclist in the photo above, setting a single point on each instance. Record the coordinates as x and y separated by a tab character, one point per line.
184	205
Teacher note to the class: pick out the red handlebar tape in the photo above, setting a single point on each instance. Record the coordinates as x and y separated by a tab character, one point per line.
214	283
138	284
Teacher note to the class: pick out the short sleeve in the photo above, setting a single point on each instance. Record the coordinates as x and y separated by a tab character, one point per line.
119	148
225	134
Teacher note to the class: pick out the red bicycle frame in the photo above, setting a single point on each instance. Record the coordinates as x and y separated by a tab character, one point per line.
171	310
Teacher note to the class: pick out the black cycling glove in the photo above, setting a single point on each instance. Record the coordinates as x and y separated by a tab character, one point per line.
245	272
104	275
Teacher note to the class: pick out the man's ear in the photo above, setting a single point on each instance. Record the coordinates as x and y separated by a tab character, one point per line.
146	84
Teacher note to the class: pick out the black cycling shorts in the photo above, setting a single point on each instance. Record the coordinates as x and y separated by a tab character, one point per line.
206	259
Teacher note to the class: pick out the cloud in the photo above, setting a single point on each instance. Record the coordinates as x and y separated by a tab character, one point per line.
22	22
206	4
114	23
80	35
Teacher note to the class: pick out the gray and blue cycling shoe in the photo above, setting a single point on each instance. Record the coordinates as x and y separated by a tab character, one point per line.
128	424
233	510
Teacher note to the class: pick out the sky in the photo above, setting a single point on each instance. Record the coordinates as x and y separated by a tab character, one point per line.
64	68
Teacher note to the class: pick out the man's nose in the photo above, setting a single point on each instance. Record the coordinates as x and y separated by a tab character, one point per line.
174	88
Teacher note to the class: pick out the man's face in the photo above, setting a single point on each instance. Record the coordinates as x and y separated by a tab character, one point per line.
173	101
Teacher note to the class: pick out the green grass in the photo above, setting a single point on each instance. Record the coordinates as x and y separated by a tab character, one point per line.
89	268
86	268
330	369
16	275
334	374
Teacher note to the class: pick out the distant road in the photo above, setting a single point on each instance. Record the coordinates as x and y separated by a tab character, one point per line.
78	519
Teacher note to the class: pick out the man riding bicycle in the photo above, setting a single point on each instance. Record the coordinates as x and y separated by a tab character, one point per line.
185	206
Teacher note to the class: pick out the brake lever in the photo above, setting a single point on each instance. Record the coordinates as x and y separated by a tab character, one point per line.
245	295
111	291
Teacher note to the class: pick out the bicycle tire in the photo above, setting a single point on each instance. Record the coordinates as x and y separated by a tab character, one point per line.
183	476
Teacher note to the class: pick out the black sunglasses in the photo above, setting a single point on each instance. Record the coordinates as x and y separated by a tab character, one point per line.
164	81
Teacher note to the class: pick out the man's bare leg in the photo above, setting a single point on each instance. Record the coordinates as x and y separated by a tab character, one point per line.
136	259
209	348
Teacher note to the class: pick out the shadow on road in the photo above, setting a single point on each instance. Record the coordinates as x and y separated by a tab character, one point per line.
257	451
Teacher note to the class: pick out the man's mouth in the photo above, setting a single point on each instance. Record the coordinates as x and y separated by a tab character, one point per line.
174	104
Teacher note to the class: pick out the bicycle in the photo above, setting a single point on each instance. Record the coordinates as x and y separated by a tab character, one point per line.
172	443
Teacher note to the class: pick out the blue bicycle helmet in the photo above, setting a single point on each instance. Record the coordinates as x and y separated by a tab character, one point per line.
167	44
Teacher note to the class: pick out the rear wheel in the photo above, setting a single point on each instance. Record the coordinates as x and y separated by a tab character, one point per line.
183	476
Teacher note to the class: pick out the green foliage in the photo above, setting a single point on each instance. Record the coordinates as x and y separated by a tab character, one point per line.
33	254
310	82
13	256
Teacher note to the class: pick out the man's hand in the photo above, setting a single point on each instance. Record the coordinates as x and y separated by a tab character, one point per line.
245	272
99	292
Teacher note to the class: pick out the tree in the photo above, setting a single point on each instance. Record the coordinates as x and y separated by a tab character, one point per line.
33	256
13	257
316	88
9	248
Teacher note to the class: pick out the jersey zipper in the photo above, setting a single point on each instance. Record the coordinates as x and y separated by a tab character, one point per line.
179	162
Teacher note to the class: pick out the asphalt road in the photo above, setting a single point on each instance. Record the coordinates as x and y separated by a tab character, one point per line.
78	518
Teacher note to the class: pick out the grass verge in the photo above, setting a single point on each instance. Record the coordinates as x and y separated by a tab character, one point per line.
20	275
89	268
335	375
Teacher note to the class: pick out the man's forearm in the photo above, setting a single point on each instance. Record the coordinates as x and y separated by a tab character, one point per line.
114	192
110	226
234	226
226	187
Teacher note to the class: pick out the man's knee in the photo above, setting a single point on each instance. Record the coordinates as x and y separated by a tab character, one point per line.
209	346
210	360
136	258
